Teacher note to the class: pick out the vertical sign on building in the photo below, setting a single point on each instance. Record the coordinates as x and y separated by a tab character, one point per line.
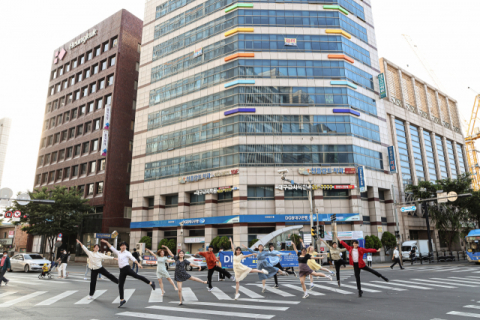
381	84
392	163
104	142
362	183
106	117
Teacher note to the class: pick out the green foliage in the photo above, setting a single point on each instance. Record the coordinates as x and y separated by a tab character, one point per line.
369	243
377	244
295	238
170	243
251	243
388	240
220	242
148	242
215	242
64	216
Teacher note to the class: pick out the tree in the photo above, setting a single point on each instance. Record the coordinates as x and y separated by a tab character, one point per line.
377	244
388	240
251	243
170	243
64	216
369	244
148	242
215	242
295	238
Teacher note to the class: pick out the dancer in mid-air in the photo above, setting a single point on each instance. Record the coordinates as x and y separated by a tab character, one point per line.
161	270
275	261
264	264
312	264
241	270
181	274
336	256
211	259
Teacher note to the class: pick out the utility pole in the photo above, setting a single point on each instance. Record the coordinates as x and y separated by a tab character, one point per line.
398	237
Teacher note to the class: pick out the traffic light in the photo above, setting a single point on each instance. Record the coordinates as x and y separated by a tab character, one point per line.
25	216
333	217
322	231
314	232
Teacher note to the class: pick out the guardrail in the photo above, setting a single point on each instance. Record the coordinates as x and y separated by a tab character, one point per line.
444	256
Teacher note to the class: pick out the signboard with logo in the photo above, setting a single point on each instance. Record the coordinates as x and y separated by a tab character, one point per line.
362	183
408	209
83	39
392	163
106	117
291	42
226	259
314	187
103	236
11	234
194	240
198	177
382	86
345	235
150	260
104	148
6	241
8	215
215	190
197	52
320	171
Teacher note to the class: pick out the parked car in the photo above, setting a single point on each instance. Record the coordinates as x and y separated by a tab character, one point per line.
196	259
27	262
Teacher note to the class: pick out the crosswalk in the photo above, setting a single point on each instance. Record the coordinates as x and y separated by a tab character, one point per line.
439	268
472	311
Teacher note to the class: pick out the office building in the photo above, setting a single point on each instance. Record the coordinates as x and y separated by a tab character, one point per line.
5	125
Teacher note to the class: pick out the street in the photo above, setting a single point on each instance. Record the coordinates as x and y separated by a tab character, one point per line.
437	291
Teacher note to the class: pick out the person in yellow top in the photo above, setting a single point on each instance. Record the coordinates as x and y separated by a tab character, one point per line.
44	269
312	264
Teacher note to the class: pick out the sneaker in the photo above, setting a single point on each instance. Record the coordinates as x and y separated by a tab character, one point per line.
360	292
312	285
306	295
6	282
232	278
295	274
153	285
122	302
286	274
210	289
263	289
275	286
391	267
338	281
237	296
330	277
90	298
331	272
385	279
264	271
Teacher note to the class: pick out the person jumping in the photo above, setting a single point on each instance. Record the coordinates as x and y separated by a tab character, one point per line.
181	274
264	264
161	270
336	256
212	267
275	261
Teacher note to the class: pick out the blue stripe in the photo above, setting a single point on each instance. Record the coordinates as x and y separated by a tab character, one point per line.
234	83
229	112
356	113
343	83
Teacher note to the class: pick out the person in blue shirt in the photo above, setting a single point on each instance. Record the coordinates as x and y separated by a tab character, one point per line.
275	261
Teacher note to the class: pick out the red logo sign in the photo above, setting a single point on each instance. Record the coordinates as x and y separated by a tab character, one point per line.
349	170
341	186
59	55
8	214
17	214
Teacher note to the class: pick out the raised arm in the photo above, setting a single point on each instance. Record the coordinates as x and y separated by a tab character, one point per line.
294	247
249	255
231	243
345	245
168	249
84	248
249	250
329	248
110	246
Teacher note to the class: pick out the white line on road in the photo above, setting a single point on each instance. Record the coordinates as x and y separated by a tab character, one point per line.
472	306
14	281
220	294
432	285
313	293
221	313
154	316
231	305
466	270
452	282
354	287
405	285
188	295
464	314
127	295
274	290
97	294
270	301
6	294
380	286
21	299
56	298
155	296
333	289
248	292
466	280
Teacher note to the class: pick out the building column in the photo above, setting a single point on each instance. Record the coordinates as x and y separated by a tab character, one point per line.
240	234
374	210
415	96
429	105
439	109
424	154
240	205
410	154
389	213
279	201
181	239
211	201
435	154
210	234
450	114
456	158
183	209
397	155
400	78
356	207
159	208
157	236
447	159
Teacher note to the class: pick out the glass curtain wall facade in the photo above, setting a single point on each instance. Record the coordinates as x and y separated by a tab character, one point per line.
432	169
451	157
403	152
417	153
461	162
441	157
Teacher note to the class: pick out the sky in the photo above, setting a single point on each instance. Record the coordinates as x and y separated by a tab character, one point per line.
31	30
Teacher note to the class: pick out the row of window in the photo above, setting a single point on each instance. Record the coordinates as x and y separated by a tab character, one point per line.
263	125
261	96
84	169
264	155
81	59
273	69
84	148
85	74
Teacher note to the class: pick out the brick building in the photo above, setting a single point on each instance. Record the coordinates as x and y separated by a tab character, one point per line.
87	136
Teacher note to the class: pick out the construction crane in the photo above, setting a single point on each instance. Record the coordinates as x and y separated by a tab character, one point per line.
473	134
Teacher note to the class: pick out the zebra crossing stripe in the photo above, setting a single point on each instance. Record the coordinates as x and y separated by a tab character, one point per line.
21	299
466	270
405	285
475	281
188	295
270	301
153	316
231	305
6	294
354	287
127	295
221	313
52	300
313	293
380	286
248	292
452	282
15	281
85	300
464	314
432	285
155	296
472	306
333	289
220	294
274	290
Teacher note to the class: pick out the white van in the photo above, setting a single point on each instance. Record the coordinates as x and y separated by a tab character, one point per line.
421	246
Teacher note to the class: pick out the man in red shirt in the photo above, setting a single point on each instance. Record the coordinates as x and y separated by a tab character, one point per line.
212	266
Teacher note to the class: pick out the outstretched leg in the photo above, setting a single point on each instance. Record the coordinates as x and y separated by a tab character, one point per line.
160	283
107	274
197	280
172	283
374	272
179	285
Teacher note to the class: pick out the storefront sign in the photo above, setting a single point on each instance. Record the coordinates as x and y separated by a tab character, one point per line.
198	177
362	184
392	163
150	260
197	52
380	229
195	240
83	39
106	117
104	142
329	170
226	259
215	190
11	234
102	235
6	241
381	84
314	187
291	42
345	235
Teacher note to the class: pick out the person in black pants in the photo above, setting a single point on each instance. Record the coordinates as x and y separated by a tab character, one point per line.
413	255
212	267
275	261
396	259
137	257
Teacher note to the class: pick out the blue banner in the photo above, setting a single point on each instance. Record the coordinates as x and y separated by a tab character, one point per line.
362	184
103	235
226	258
392	163
382	86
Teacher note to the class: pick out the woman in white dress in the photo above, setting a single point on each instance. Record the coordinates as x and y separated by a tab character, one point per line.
161	270
241	270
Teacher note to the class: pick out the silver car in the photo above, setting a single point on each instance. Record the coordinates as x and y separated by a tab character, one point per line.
196	259
28	262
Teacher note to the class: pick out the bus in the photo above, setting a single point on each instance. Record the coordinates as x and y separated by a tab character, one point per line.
472	241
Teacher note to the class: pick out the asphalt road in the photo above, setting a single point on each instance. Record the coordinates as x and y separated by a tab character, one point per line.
439	291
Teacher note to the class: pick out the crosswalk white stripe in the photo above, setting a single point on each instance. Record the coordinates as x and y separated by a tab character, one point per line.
248	292
127	294
14	281
6	294
274	290
97	294
222	313
466	270
56	298
444	269
453	282
429	284
380	286
231	305
154	316
464	314
188	294
473	277
405	285
333	289
155	296
354	287
313	293
472	306
220	294
270	301
433	281
21	299
475	281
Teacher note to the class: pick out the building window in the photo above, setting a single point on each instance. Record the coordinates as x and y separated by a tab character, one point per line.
56	138
96	124
91	106
93	167
59	119
103	65
89	55
296	195
137	66
88	127
71	133
114	42
441	158
75	171
82	110
67	67
58	175
52	91
74	64
85	91
130	145
93	87
38	179
139	47
64	135
112	61
129	167
99	187
83	169
54	157
72	81
82	59
171	201
49	141
77	149
381	195
45	177
69	152
196	199
61	155
86	146
51	176
77	95
403	152
66	115
47	159
105	46
336	194
94	145
79	77
95	69
135	85
108	100
66	173
81	190
102	164
417	153
461	163
225	196
74	113
87	73
451	157
40	161
432	169
80	130
90	189
69	98
59	87
99	104
132	125
110	80
261	193
127	213
101	84
62	102
97	51
134	105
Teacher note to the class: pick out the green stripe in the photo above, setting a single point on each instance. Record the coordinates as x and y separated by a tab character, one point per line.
333	7
235	6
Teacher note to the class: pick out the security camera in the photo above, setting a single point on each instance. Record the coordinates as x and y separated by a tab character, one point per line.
282	171
182	223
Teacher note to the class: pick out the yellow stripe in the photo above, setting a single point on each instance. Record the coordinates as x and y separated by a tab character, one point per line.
233	31
338	31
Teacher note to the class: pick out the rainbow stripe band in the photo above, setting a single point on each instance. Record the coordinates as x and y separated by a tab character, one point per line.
234	83
341	57
239	5
240	55
343	83
233	31
338	31
333	7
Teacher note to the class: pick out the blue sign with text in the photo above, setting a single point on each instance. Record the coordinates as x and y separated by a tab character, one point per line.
392	163
362	184
226	258
103	235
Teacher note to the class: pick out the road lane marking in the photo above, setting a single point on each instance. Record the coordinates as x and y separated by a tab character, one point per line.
380	286
221	313
22	299
154	316
155	296
274	290
269	301
231	305
354	287
188	295
249	292
428	284
126	295
405	285
313	293
220	294
85	300
56	298
464	314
